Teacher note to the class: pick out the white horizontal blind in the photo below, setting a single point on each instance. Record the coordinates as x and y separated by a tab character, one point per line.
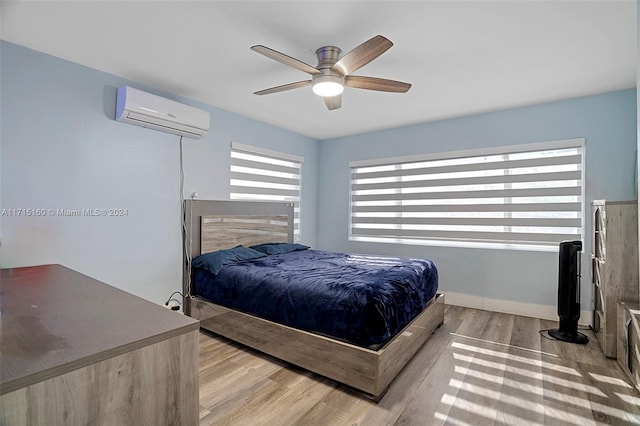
263	175
520	197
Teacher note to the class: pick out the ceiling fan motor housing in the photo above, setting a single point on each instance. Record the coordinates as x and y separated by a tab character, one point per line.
327	56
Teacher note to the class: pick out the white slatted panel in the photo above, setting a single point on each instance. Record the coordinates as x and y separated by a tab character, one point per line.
263	175
524	196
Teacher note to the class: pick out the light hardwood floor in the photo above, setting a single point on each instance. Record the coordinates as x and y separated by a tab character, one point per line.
479	368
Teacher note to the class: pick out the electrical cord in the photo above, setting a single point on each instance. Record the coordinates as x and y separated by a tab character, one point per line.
186	250
545	334
174	307
189	246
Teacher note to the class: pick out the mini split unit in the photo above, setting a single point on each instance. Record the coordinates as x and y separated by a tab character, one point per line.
144	109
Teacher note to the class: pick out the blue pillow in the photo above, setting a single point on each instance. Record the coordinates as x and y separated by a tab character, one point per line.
279	248
215	261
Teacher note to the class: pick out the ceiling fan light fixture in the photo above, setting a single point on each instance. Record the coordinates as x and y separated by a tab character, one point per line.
327	85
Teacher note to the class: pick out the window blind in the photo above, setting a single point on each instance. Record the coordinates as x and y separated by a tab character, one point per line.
264	175
527	196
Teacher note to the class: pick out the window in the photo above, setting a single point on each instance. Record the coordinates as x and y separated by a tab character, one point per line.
525	197
263	175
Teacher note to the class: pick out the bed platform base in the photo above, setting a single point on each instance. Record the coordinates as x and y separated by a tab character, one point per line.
364	369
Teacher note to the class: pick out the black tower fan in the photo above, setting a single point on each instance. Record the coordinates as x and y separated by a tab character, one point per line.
569	293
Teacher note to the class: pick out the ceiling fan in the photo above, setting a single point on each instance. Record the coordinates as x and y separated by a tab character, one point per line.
332	73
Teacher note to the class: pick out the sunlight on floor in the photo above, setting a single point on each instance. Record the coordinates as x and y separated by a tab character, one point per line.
533	389
512	357
629	399
525	373
505	345
610	380
451	421
510	385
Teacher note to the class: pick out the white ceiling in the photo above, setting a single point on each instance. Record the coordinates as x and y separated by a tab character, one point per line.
461	57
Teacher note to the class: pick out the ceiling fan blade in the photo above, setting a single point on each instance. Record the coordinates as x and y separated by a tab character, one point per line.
333	102
362	54
287	60
283	87
374	83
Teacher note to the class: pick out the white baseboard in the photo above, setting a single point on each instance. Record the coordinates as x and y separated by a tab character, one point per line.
510	307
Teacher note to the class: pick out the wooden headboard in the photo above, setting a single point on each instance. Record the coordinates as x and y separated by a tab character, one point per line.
219	232
216	225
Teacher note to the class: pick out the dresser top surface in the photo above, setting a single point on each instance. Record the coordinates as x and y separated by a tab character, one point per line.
54	320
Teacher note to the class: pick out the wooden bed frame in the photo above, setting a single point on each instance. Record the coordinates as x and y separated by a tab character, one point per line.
216	225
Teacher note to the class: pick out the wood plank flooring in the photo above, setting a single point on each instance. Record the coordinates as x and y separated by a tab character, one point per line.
479	368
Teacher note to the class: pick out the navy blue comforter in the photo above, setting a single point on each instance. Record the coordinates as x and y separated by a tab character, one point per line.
361	299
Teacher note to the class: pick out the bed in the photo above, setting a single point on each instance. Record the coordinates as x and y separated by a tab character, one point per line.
367	359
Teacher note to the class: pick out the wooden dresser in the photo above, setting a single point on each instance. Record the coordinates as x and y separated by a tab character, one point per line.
614	267
76	351
629	341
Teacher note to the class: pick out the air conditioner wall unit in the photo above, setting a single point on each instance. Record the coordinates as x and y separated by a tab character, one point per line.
144	109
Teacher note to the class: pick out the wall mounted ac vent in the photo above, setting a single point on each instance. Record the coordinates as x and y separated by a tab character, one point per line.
144	109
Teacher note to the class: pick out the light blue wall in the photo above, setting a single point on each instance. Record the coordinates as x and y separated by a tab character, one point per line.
608	124
62	149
